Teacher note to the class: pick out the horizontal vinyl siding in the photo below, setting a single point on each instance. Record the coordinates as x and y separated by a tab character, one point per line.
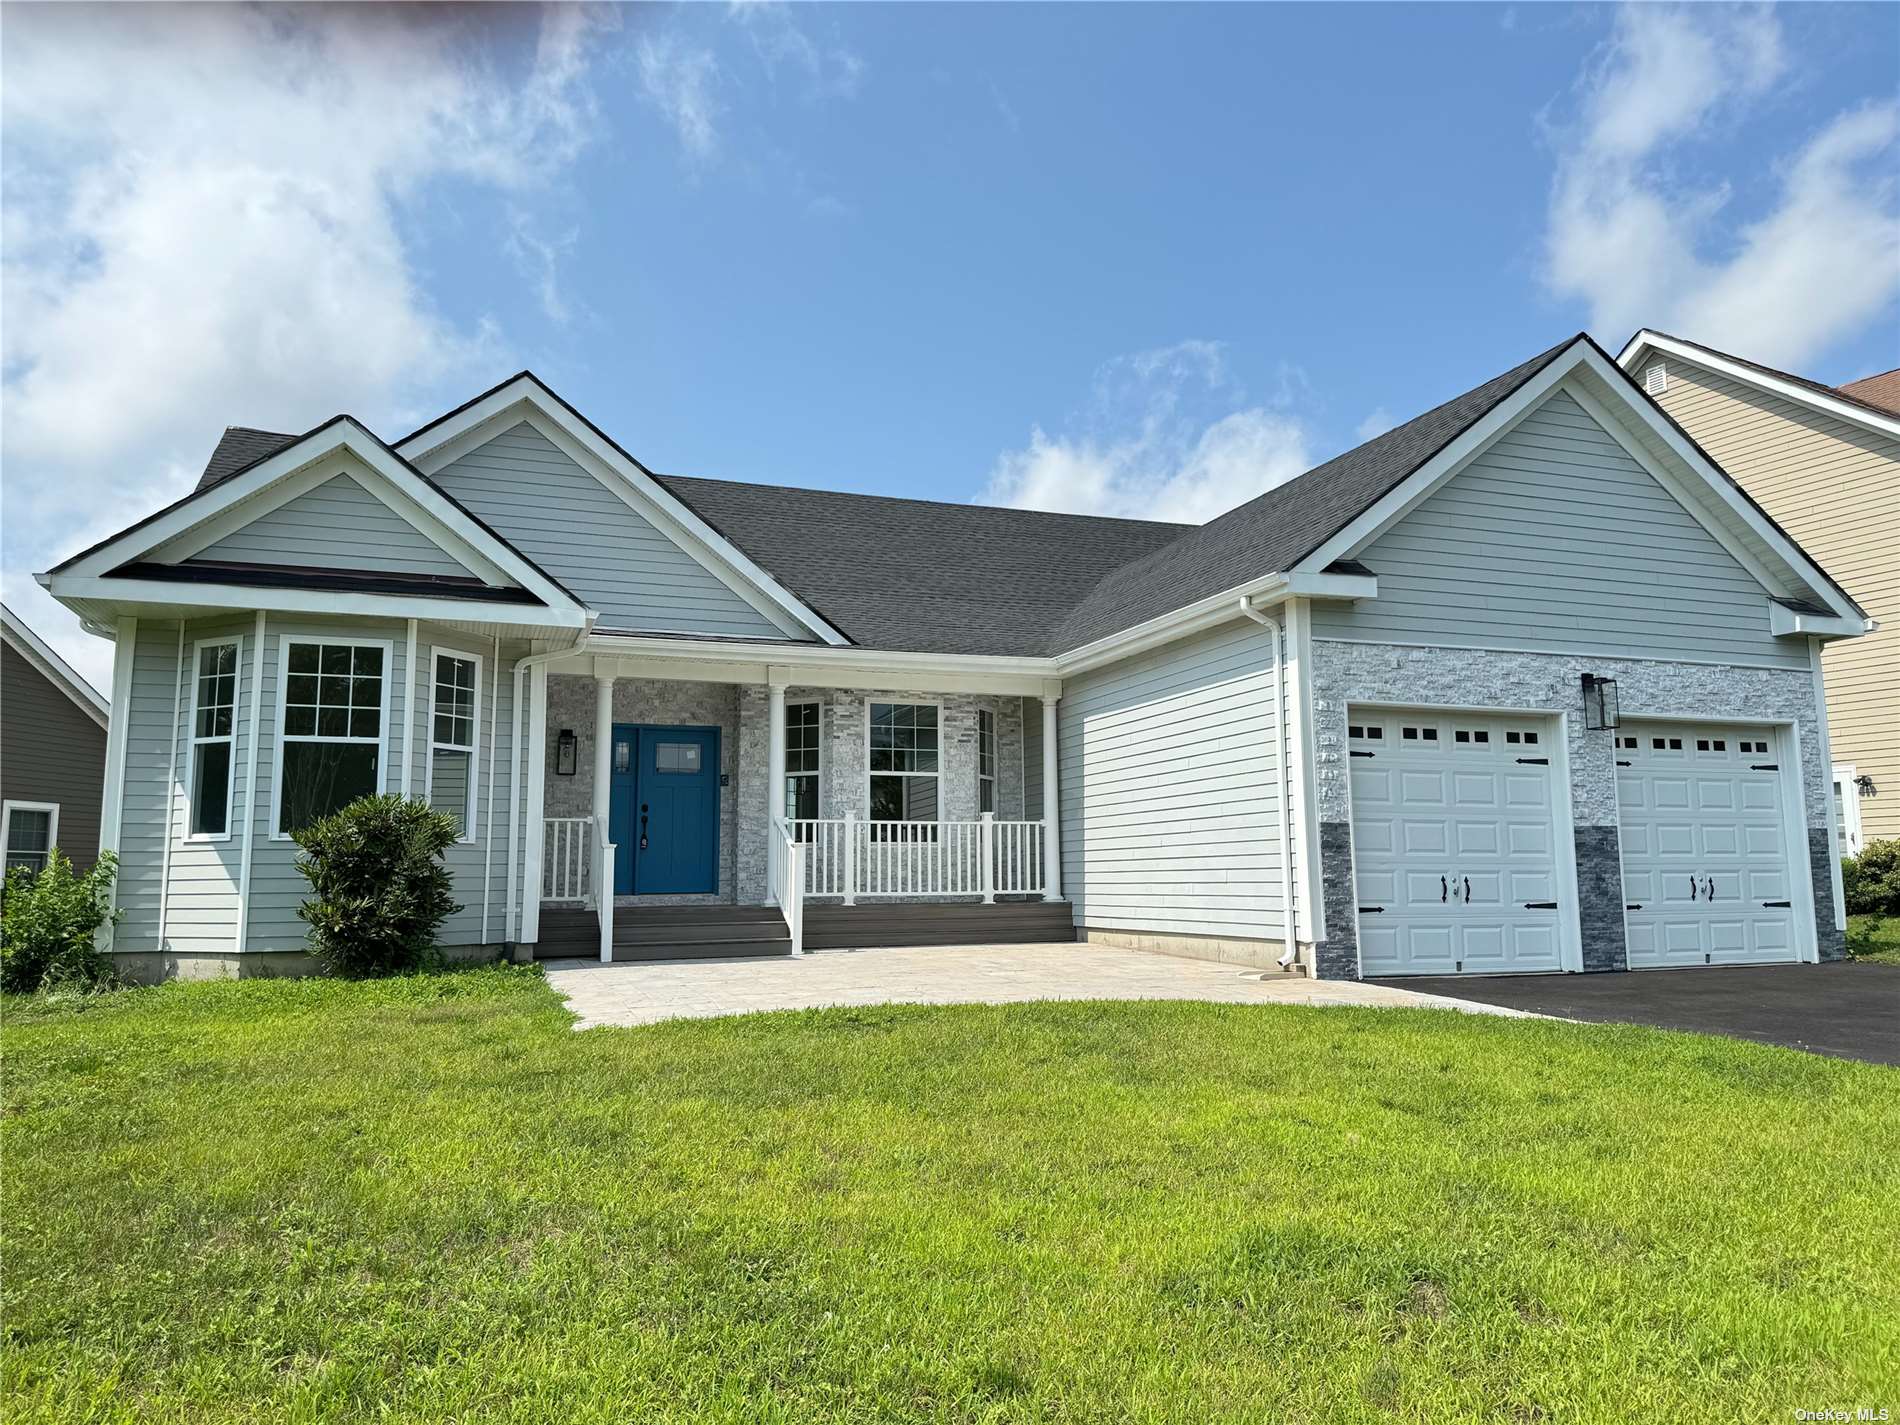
583	534
1556	539
1835	487
340	525
51	751
201	901
1169	777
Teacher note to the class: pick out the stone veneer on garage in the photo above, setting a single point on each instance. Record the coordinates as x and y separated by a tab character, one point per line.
1481	678
742	715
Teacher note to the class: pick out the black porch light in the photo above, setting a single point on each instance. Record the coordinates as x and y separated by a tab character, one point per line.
1600	710
566	748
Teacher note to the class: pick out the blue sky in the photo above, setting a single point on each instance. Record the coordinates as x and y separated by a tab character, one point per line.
1130	259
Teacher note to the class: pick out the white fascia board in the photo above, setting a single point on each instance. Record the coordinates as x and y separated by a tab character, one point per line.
56	670
423	448
343	434
695	660
99	591
1216	609
1647	340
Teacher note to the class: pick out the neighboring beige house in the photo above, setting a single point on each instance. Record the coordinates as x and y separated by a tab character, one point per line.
1824	462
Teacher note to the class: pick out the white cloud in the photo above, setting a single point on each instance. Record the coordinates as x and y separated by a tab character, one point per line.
1644	239
830	71
1377	423
204	223
1169	436
679	79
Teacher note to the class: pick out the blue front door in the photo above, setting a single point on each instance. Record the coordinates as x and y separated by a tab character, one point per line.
665	811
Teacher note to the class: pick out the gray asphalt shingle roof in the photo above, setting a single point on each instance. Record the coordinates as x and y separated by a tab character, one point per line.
930	577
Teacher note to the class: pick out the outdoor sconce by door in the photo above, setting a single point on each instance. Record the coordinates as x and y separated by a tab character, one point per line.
565	752
1600	710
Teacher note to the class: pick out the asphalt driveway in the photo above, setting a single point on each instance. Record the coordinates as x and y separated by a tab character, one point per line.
1847	1009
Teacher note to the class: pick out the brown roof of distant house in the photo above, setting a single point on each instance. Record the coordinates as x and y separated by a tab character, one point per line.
1882	390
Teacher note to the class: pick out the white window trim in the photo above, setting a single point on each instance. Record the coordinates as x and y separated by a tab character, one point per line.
938	774
995	755
191	734
474	747
7	810
381	740
819	772
1848	795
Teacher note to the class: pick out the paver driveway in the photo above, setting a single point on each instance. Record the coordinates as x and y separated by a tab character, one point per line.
643	993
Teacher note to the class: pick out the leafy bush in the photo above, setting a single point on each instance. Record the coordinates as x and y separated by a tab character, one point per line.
47	925
379	890
1871	881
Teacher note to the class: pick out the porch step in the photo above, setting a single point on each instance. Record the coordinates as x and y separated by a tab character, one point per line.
841	927
667	933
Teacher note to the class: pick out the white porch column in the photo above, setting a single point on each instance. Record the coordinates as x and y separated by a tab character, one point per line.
1051	805
537	755
603	772
774	782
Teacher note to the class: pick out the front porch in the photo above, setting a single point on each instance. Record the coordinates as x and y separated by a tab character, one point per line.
701	814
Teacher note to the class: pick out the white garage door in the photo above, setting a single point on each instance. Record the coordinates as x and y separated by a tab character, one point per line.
1707	878
1454	843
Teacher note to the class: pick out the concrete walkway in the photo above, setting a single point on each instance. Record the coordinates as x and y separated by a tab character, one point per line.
961	974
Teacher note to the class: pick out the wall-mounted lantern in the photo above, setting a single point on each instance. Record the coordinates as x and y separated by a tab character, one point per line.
1864	785
1600	710
566	752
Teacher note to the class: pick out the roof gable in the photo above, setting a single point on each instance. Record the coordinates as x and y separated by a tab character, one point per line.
526	397
56	670
1846	402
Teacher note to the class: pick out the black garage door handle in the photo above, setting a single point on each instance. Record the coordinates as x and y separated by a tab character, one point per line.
1540	905
1779	905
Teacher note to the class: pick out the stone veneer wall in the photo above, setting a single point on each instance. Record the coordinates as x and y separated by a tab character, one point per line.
741	713
1481	678
671	704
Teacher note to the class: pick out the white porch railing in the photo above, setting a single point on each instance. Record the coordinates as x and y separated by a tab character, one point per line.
786	873
856	859
566	867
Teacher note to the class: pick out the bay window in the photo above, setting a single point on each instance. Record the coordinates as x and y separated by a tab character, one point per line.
213	739
330	727
453	719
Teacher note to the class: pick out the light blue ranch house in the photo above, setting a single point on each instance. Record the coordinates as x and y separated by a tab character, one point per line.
1526	684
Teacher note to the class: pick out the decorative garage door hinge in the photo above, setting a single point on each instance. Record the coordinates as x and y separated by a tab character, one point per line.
1536	761
1372	910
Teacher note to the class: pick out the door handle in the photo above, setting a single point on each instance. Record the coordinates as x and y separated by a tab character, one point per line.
1467	890
1692	888
1708	889
1442	892
643	826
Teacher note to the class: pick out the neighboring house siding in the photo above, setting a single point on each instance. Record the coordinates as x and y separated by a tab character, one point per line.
614	561
51	751
1835	487
1169	778
1554	539
339	524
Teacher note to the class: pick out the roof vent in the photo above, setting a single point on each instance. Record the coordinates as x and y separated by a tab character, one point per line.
1656	379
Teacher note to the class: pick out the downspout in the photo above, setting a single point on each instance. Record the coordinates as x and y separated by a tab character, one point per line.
515	766
1281	803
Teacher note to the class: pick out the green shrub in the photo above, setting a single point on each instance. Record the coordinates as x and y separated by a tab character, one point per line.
379	890
47	925
1871	881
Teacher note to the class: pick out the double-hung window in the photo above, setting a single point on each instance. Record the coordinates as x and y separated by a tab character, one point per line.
453	719
904	762
986	761
28	833
330	727
801	761
213	739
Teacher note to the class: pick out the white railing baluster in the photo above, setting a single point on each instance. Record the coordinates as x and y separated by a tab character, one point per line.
853	859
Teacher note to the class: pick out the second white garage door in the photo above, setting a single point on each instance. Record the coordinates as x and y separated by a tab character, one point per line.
1454	843
1707	879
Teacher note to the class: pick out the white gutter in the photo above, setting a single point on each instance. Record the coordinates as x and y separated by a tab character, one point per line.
1282	810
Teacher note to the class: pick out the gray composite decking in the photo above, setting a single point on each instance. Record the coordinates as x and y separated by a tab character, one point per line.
726	931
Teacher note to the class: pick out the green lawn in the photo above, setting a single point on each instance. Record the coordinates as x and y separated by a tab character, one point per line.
430	1200
1874	937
